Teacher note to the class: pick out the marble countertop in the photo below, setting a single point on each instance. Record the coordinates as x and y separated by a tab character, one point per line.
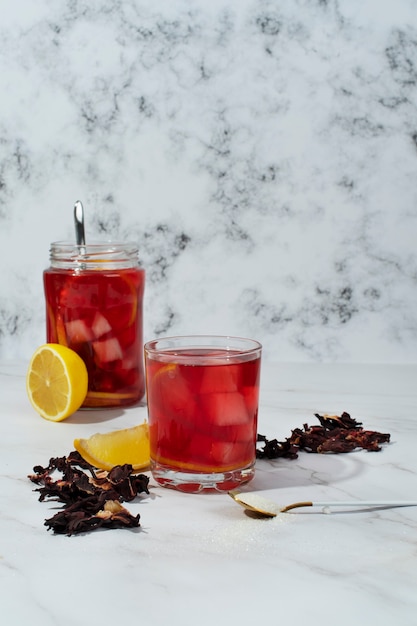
200	558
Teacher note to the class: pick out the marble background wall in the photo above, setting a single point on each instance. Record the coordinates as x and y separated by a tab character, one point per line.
262	153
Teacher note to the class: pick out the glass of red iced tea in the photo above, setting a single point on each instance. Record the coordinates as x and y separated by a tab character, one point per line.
202	395
93	298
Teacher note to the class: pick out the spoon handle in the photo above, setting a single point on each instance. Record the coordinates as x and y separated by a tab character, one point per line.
79	223
361	503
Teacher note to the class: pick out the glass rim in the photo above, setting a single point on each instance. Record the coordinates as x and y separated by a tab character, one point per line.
181	342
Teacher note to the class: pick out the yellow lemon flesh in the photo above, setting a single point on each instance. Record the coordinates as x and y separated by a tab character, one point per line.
129	445
56	381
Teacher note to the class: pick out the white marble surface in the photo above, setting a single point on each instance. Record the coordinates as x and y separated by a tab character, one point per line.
263	154
199	558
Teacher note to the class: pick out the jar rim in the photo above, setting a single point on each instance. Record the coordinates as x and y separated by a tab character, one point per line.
94	244
117	254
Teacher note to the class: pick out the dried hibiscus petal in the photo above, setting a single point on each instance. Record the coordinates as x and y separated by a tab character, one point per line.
89	515
91	500
336	434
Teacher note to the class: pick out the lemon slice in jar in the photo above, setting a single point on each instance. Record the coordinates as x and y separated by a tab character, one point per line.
56	381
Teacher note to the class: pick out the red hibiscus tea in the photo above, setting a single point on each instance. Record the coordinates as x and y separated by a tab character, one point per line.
202	395
94	306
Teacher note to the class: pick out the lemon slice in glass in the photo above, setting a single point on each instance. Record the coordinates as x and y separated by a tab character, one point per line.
56	381
129	445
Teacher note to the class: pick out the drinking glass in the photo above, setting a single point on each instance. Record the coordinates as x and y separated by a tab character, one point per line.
202	396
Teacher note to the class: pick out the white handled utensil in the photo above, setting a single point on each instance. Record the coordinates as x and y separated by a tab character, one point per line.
256	503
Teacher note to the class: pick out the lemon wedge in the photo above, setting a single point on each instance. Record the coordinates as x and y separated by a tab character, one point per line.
56	381
129	445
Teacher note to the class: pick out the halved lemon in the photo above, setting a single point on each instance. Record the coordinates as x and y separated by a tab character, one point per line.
129	445
56	381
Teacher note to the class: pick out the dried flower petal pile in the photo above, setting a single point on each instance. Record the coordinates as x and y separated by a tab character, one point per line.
91	500
334	434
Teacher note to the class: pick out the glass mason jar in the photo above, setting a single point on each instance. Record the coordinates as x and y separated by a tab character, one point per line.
94	296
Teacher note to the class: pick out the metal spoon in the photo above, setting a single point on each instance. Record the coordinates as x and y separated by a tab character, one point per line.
267	508
79	224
